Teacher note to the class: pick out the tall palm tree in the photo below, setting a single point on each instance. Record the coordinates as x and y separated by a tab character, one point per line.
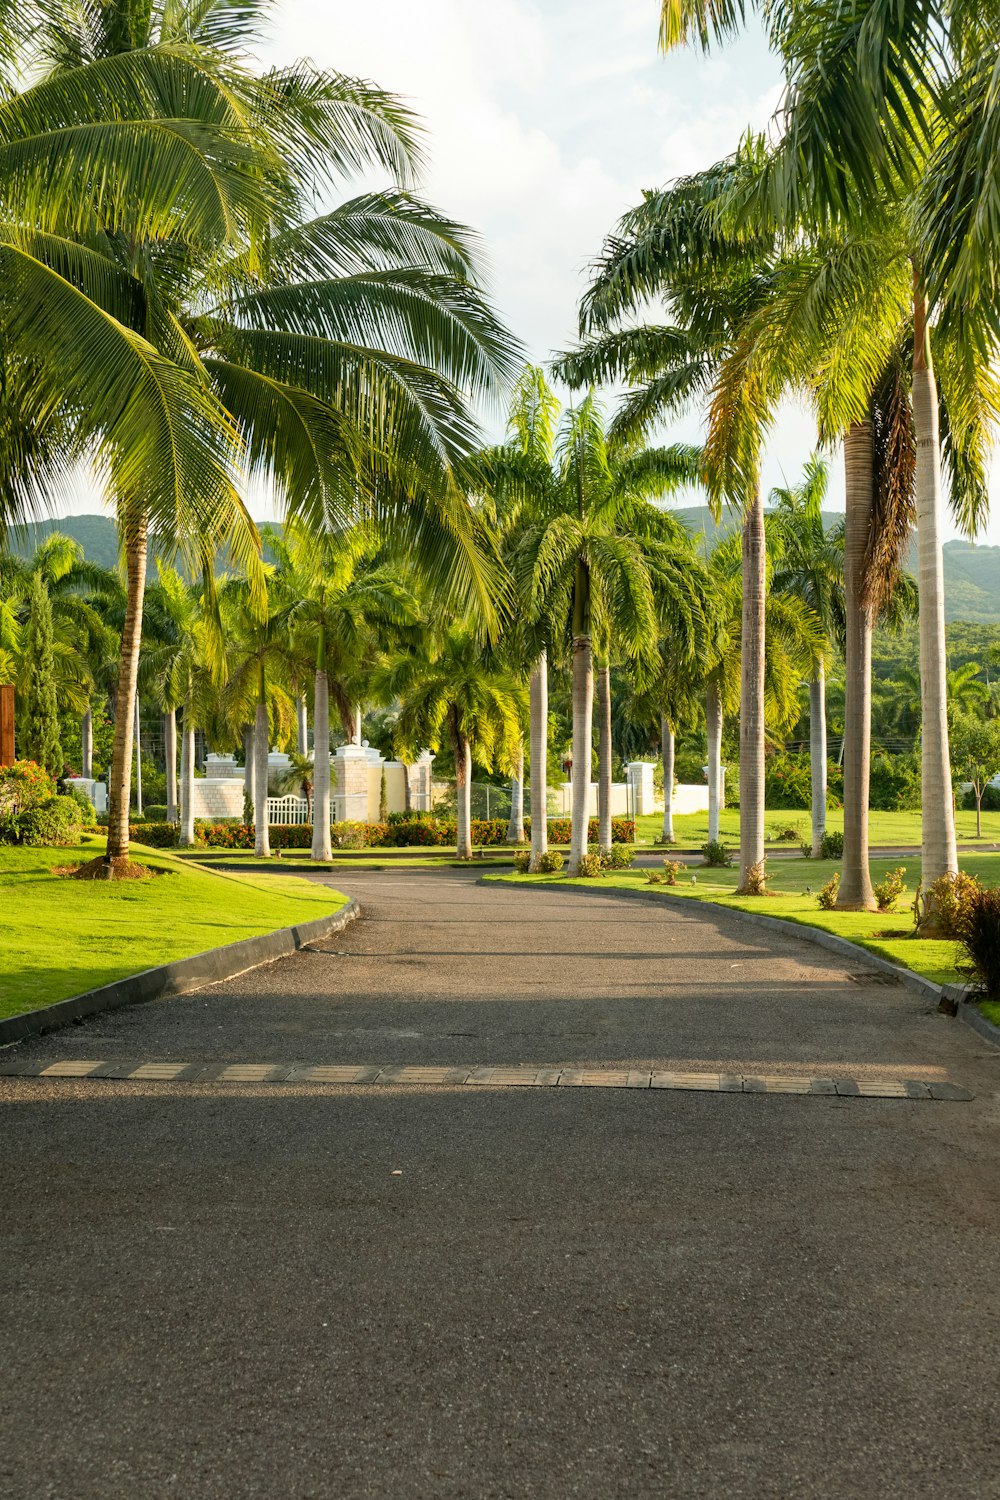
455	686
809	562
339	349
897	105
347	604
261	660
584	559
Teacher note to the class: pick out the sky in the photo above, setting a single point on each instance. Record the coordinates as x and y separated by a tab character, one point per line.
544	123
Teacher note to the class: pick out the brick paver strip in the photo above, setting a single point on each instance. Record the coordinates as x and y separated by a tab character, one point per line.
524	1076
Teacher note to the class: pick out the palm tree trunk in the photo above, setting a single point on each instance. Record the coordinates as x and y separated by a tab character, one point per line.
186	837
604	759
261	737
119	786
249	741
752	697
322	847
303	726
583	718
538	768
463	787
170	761
856	892
667	752
515	824
817	756
713	736
87	745
939	854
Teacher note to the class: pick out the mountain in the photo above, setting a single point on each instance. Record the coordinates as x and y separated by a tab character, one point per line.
971	572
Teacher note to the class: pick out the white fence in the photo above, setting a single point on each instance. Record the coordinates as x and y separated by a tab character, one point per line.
290	809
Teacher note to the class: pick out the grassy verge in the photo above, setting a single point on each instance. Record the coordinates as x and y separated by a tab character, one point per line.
793	887
885	828
59	937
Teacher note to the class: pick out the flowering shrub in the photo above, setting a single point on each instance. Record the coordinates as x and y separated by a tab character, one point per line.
23	784
561	831
30	812
551	862
671	869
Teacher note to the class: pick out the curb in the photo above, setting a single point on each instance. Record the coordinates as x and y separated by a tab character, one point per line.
950	997
178	978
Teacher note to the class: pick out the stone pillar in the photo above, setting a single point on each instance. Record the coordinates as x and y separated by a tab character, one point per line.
642	795
220	765
352	783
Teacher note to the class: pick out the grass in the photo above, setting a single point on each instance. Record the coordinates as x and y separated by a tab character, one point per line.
59	937
793	885
885	828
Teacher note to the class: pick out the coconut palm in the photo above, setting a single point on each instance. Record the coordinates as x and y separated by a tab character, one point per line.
454	686
583	559
260	661
340	349
809	562
895	105
347	603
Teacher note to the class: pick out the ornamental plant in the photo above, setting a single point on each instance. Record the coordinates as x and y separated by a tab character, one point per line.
889	890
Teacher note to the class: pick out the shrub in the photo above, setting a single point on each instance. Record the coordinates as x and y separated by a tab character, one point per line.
979	934
653	877
950	897
785	833
23	784
756	881
832	846
156	812
889	890
671	869
155	835
57	820
591	865
551	862
717	854
522	861
618	857
346	835
827	897
561	830
895	782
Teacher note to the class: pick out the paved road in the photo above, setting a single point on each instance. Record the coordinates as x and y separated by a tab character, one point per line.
223	1291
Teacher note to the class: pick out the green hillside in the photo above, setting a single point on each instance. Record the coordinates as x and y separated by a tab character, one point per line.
971	573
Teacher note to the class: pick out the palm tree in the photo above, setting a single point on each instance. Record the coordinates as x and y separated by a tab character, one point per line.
454	686
584	559
893	107
261	659
809	563
338	350
346	604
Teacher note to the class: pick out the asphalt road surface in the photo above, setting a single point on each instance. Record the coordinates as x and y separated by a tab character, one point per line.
220	1290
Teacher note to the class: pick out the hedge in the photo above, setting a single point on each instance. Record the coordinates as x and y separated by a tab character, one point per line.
419	833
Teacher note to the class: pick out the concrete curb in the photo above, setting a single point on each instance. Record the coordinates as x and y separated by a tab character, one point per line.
950	994
178	978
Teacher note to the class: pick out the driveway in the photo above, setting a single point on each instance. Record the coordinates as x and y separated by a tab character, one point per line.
304	1290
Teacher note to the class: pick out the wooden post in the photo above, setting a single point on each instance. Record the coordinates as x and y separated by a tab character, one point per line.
6	726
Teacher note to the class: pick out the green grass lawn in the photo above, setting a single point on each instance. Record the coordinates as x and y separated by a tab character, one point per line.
794	884
59	937
885	828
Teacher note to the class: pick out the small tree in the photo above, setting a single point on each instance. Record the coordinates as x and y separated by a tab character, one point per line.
41	707
975	756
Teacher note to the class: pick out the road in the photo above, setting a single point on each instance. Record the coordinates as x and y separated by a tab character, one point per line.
303	1290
